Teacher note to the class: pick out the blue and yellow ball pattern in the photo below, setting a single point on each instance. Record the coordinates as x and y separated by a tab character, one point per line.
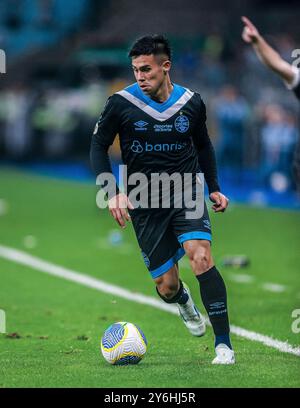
123	343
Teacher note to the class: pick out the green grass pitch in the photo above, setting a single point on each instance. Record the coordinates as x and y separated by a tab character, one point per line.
60	323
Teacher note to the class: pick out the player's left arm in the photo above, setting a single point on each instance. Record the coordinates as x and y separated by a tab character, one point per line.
208	163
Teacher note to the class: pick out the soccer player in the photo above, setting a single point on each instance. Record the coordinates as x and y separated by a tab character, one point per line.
162	129
290	74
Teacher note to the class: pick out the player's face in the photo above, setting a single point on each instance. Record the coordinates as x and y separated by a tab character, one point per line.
150	72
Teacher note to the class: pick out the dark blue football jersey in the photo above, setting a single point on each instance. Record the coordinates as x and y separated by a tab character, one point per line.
169	137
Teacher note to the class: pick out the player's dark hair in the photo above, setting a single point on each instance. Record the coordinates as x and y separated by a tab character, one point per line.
151	44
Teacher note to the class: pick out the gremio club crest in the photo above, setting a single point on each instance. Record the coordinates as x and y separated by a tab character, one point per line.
182	124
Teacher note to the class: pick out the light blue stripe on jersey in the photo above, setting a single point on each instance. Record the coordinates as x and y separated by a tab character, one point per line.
155	273
176	94
194	235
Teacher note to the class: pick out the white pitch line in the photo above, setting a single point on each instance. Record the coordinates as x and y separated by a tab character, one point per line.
42	266
23	258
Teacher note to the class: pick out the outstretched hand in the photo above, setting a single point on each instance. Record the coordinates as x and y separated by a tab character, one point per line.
250	33
220	201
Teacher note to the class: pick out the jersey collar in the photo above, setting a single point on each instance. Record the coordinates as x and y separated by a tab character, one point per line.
159	111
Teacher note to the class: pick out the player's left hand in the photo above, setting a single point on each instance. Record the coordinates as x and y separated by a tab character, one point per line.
220	201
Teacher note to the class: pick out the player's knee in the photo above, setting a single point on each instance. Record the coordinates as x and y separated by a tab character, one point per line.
200	258
201	262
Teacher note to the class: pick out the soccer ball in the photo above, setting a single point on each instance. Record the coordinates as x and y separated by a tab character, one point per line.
123	343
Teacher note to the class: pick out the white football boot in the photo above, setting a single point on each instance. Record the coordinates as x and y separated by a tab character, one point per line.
224	355
191	316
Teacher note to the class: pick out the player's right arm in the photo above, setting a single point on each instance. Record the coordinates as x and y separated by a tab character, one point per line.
104	134
268	56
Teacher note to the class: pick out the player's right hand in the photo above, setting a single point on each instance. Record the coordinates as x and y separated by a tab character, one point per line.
118	208
250	33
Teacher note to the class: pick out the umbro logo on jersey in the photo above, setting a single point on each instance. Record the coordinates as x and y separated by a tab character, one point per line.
141	125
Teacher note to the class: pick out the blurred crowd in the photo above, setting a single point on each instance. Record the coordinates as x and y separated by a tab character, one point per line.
27	25
252	118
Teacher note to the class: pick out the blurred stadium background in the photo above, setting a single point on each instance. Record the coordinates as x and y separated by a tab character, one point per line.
63	62
64	58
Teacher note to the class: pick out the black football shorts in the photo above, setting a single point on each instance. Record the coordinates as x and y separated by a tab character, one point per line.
161	233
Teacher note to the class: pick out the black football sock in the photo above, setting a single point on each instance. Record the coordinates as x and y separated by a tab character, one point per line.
214	298
181	296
